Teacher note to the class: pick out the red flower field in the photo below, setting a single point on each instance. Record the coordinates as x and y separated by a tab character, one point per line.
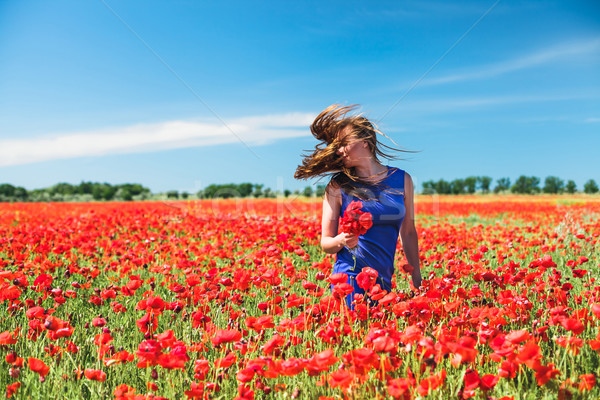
231	299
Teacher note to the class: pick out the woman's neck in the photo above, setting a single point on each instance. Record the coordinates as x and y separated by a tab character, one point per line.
370	169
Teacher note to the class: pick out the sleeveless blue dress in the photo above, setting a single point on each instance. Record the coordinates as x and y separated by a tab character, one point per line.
377	247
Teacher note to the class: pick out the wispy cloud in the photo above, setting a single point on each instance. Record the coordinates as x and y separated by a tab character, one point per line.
563	51
255	130
453	104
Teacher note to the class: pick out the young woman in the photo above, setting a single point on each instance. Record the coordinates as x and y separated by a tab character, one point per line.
349	151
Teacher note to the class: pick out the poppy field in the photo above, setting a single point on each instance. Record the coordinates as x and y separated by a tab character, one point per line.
234	299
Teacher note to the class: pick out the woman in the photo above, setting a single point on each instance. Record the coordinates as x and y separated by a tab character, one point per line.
348	150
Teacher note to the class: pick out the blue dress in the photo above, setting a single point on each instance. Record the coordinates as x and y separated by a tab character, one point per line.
377	247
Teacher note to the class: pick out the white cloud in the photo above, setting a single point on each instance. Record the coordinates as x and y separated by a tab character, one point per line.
256	130
450	104
560	52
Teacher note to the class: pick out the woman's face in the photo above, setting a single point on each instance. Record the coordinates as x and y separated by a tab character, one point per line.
352	151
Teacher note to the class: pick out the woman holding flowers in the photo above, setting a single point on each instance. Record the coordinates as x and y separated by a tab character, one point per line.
361	185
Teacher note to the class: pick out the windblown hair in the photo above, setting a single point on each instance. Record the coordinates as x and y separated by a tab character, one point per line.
325	161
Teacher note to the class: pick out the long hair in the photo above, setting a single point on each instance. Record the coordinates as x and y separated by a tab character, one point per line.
324	160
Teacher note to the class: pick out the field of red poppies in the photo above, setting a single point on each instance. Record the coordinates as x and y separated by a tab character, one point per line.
232	299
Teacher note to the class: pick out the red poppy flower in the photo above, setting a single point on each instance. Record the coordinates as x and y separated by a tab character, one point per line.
292	366
119	358
38	366
7	338
367	278
196	391
471	379
431	383
321	362
516	337
399	388
225	336
544	373
226	361
529	354
340	378
341	290
95	375
488	382
12	389
587	382
274	343
354	221
362	360
336	278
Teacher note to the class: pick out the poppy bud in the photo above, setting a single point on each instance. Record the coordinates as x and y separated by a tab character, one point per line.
11	357
14	372
154	374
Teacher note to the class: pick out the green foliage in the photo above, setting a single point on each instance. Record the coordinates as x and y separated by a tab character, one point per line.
484	183
428	187
553	185
457	186
231	190
258	192
470	184
443	187
320	192
523	185
526	185
85	191
308	191
571	187
590	187
9	192
502	185
172	194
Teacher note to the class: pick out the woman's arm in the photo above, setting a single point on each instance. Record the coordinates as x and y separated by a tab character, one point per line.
408	232
331	242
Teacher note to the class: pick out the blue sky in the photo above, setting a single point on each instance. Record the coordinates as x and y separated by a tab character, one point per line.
181	94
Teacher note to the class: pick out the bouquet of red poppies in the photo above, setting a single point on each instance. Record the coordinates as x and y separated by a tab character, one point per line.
355	221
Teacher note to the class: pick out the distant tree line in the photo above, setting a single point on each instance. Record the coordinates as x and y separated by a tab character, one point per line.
85	191
94	191
523	185
233	190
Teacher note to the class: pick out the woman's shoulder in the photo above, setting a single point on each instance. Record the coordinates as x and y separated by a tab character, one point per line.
397	174
333	188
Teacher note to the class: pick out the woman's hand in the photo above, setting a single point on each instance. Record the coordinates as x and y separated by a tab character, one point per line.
347	239
416	278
